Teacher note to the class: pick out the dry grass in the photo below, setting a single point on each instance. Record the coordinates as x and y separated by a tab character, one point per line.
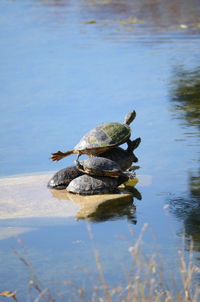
146	281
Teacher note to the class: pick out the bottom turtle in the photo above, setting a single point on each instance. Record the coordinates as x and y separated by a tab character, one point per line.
91	185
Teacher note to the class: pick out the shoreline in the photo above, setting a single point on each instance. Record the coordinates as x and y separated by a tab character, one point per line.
144	180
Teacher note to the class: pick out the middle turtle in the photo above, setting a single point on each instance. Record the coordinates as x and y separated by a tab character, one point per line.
99	166
101	138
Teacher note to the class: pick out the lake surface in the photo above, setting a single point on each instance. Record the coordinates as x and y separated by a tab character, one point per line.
67	66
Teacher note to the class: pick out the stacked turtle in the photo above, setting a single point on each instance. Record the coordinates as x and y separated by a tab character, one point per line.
107	166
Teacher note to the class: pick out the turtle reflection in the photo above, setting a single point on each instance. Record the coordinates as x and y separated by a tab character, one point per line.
98	208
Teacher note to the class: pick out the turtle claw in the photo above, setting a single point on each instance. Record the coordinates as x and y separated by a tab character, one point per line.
57	156
133	168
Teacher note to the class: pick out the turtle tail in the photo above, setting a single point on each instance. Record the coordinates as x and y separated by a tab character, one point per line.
132	145
59	155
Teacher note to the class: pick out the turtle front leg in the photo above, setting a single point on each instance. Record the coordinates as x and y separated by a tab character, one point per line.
79	166
59	155
77	163
77	159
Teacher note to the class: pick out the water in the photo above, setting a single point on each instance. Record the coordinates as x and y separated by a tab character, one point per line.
59	78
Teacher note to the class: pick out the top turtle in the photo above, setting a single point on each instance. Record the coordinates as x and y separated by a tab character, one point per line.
101	138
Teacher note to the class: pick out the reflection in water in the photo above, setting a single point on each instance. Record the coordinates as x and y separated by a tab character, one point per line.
186	102
98	208
195	185
155	13
187	209
58	3
186	96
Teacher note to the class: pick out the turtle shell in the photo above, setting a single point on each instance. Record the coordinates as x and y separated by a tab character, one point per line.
102	138
90	185
62	178
99	166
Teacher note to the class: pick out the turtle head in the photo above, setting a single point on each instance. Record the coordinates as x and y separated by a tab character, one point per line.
129	117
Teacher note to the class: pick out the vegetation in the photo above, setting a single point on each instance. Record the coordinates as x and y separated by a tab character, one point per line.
147	281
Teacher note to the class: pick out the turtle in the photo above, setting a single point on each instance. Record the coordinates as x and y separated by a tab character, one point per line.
124	158
99	166
91	185
101	138
62	178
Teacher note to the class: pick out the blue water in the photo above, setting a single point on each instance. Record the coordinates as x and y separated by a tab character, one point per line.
60	78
